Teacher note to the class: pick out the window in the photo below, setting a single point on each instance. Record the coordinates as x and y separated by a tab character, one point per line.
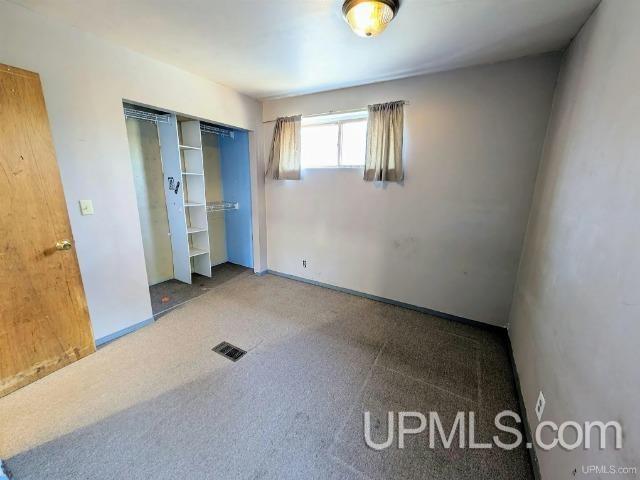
334	140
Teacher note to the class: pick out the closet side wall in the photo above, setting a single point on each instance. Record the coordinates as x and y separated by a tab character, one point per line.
146	164
214	193
236	178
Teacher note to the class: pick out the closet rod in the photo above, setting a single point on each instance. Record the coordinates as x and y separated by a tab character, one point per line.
221	206
225	132
148	116
331	112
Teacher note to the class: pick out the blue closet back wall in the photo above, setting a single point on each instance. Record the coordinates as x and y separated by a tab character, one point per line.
236	185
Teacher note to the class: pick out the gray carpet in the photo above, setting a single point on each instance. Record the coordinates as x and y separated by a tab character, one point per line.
159	404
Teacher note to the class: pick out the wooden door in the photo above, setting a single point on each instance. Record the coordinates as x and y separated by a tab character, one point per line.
44	322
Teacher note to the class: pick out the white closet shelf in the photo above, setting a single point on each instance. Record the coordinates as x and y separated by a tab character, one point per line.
194	252
182	159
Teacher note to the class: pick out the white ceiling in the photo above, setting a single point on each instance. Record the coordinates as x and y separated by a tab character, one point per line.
269	48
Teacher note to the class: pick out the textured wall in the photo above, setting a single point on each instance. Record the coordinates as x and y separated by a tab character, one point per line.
450	237
575	326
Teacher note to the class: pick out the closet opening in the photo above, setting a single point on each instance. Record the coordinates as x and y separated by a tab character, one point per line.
193	191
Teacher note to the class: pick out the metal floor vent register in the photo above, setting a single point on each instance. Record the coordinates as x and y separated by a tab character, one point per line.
227	350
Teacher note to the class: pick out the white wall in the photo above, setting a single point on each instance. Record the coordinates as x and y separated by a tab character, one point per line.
148	180
215	193
84	81
575	326
450	237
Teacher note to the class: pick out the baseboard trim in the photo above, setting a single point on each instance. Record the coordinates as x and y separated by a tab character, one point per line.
5	474
102	341
533	456
428	311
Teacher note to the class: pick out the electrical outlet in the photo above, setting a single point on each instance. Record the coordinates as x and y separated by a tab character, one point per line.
540	406
304	264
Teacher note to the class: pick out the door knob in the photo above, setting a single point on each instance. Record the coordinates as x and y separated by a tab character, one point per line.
63	245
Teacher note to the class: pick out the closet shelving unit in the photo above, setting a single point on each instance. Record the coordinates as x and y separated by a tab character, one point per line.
194	221
181	147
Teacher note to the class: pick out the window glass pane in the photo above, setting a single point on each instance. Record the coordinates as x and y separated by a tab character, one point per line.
319	146
354	143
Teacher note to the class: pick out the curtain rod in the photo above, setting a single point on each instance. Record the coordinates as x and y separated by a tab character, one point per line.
330	112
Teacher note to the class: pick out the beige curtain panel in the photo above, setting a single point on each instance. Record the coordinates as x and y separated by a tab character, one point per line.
284	156
383	161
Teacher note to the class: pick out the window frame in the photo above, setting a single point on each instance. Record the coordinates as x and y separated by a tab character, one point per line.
339	120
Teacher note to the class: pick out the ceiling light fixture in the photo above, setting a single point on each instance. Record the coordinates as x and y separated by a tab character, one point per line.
369	18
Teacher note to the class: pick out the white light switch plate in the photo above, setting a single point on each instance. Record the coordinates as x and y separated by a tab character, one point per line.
540	405
86	207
